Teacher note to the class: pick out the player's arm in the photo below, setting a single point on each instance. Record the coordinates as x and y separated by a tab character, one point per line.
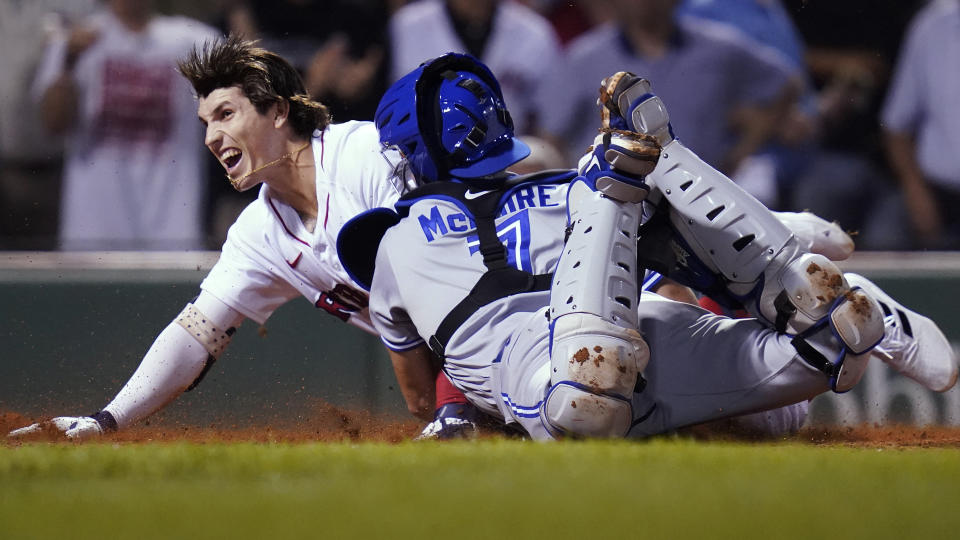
178	359
417	378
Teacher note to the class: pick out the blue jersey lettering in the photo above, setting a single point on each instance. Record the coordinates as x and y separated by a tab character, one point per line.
459	223
433	224
514	233
544	193
524	198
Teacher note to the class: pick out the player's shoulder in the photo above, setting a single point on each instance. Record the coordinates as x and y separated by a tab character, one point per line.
355	131
251	223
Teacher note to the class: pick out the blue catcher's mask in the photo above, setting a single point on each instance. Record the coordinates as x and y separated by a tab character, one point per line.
447	118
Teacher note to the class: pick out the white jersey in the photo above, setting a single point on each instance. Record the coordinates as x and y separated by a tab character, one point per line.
270	257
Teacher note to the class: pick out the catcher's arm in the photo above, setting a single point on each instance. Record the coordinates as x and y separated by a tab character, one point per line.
417	378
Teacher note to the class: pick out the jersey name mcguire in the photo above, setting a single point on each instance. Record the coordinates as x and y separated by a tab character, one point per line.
437	221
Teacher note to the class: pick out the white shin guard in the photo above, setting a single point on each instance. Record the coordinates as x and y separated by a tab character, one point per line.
594	367
759	258
839	344
729	230
597	271
596	353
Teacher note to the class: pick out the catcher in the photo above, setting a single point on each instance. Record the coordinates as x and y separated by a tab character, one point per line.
574	352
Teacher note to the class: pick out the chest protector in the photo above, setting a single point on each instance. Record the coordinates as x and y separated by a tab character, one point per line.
360	238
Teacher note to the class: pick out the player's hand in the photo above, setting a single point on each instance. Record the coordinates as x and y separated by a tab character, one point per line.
76	428
451	421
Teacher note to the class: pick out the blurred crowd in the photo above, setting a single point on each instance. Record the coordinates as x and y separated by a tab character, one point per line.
848	109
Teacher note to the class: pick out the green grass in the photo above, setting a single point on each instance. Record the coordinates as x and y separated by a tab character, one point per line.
488	489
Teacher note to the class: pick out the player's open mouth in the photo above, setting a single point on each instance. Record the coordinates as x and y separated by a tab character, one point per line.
231	158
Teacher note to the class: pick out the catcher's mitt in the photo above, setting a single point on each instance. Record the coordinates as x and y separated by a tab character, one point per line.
627	104
628	151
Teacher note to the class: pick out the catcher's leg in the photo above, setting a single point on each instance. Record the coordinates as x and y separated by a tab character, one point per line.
705	367
756	256
596	353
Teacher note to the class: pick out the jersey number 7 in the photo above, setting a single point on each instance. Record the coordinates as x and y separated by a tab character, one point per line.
514	233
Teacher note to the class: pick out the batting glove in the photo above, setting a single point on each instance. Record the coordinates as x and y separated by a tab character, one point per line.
77	428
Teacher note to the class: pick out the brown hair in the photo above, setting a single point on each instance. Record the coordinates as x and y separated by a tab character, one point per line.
264	77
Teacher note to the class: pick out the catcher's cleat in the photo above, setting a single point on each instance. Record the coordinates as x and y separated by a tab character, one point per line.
912	345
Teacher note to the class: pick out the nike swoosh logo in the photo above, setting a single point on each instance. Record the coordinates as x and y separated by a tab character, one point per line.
469	195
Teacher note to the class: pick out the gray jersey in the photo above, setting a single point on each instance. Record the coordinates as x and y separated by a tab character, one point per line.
430	261
702	366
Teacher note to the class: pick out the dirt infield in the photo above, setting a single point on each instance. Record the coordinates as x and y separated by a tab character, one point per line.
328	423
324	423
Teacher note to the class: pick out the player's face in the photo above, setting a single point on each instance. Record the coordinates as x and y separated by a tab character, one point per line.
241	138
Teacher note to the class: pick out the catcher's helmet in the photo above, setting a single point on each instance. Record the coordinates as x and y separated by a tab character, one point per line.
448	118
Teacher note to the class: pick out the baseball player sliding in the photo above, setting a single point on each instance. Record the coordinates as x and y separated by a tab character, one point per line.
313	176
543	329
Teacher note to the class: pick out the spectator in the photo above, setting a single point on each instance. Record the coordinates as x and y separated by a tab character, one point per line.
518	44
703	71
795	171
338	46
30	162
766	27
850	47
133	167
570	19
921	123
